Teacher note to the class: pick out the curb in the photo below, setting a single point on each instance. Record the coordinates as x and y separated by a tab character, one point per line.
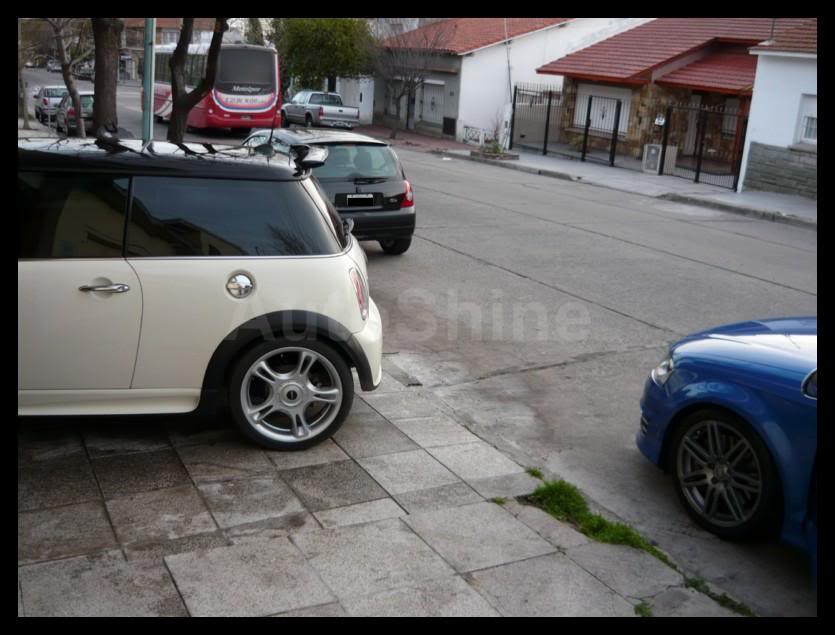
777	217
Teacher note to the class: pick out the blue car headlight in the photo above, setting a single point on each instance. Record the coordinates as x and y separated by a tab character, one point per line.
661	373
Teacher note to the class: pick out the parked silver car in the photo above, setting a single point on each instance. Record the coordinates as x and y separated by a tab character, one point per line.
47	100
313	108
53	66
65	118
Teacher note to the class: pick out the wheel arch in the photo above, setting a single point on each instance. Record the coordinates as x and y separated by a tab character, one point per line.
291	325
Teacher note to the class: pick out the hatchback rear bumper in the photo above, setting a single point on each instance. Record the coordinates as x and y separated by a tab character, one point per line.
382	225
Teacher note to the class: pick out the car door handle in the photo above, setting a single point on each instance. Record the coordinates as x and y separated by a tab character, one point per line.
106	288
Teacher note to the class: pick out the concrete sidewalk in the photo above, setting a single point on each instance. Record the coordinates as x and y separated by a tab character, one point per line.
396	515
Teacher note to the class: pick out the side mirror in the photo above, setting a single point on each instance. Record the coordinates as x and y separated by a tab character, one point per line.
348	225
810	385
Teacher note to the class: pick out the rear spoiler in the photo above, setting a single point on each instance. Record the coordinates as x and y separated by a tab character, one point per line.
305	157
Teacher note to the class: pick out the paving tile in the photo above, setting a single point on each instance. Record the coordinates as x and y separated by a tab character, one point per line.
111	439
370	558
133	473
389	384
548	586
157	550
243	501
59	481
247	580
426	500
43	442
474	461
324	610
447	597
631	572
332	485
435	431
360	513
325	452
103	585
559	534
61	532
681	602
404	405
272	528
508	485
477	536
408	471
164	514
372	435
224	460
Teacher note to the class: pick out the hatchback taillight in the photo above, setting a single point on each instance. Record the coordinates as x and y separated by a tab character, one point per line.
361	290
321	112
71	111
408	197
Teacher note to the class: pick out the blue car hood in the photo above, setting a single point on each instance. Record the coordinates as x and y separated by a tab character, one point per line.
793	339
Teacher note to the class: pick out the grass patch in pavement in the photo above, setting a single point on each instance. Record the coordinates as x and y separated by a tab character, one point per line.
536	473
565	502
499	500
722	600
643	610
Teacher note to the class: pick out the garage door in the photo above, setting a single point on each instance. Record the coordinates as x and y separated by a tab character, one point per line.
432	105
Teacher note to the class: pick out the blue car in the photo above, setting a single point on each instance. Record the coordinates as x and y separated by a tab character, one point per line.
732	413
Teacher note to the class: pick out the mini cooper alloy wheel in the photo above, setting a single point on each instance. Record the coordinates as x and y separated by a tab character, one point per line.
290	395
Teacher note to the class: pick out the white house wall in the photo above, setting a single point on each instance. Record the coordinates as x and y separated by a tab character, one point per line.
487	83
358	93
775	103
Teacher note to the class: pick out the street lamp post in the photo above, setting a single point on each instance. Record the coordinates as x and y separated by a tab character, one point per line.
148	81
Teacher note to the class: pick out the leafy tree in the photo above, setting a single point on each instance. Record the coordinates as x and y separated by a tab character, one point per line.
254	32
315	49
183	101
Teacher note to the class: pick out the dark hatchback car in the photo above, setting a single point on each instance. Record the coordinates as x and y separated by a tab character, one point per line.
364	180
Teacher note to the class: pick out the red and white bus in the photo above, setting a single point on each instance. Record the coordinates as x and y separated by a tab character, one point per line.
246	93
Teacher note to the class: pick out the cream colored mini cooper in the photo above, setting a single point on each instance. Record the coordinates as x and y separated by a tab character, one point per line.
166	278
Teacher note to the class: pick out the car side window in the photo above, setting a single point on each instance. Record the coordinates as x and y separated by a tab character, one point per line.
187	217
70	215
316	98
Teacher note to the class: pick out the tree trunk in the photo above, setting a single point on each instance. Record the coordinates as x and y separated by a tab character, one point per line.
396	125
106	35
23	107
70	83
181	101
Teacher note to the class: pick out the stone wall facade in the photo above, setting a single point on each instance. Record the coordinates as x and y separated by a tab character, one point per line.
792	170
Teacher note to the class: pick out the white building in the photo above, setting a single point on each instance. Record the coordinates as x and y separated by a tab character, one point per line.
781	143
469	87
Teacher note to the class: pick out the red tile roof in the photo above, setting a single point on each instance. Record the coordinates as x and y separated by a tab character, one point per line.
462	35
802	38
629	56
719	73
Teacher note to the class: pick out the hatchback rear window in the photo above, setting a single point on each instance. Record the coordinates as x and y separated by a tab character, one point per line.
347	161
54	92
219	217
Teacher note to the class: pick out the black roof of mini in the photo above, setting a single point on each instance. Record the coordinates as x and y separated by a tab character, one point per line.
158	158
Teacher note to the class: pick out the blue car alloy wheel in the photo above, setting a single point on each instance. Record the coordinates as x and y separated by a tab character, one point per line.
724	474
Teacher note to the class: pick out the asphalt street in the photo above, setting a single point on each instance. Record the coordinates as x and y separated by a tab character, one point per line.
535	308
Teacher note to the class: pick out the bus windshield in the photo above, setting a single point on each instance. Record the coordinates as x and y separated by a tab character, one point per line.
242	66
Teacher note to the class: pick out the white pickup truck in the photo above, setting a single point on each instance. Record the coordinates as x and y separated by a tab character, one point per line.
313	108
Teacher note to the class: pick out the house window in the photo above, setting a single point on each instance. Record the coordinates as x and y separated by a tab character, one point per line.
729	121
603	107
808	124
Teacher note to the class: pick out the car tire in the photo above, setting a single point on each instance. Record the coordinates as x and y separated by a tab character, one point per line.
290	393
395	246
284	122
308	121
728	484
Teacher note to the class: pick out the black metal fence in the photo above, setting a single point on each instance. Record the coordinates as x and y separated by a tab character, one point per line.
699	143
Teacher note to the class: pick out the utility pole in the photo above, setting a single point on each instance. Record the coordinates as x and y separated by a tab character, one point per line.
148	81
